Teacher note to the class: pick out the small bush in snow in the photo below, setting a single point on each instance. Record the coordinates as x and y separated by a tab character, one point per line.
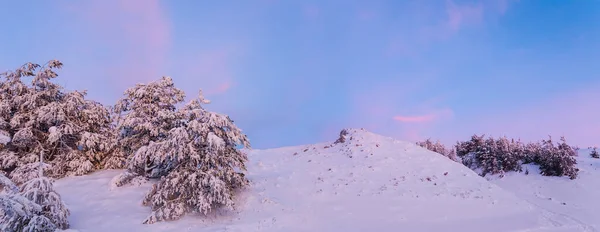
594	153
191	150
41	116
439	148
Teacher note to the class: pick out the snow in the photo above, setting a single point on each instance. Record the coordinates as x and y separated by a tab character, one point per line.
367	183
4	138
576	199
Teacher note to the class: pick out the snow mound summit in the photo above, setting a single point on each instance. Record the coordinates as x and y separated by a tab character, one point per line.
368	182
360	182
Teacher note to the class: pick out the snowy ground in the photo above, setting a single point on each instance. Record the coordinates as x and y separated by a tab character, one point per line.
576	199
368	183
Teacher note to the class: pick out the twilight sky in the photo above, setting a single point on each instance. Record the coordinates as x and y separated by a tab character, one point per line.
292	72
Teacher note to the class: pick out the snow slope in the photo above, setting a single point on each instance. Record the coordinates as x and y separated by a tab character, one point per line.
578	199
367	183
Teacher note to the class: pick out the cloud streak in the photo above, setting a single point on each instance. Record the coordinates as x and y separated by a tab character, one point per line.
224	87
413	119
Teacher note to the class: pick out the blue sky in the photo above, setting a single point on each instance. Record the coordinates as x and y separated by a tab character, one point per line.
296	72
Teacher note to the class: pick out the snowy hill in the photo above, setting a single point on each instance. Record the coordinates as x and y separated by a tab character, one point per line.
576	199
365	183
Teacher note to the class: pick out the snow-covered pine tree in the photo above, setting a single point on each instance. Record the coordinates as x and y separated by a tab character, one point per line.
33	207
532	152
207	166
146	114
594	153
16	211
43	117
489	155
196	158
557	160
466	151
40	190
509	154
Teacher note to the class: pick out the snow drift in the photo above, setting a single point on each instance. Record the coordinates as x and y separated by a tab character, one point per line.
362	182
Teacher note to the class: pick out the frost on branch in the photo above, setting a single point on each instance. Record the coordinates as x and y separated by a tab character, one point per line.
6	185
42	116
191	150
26	172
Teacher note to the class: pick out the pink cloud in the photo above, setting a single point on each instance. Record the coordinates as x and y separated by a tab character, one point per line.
222	88
416	128
433	115
385	109
422	118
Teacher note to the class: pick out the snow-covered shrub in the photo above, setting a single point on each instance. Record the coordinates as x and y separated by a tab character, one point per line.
193	151
492	156
594	153
41	116
439	148
557	160
531	153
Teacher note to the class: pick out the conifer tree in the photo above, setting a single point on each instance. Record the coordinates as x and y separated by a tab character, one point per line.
36	206
193	151
73	132
594	153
